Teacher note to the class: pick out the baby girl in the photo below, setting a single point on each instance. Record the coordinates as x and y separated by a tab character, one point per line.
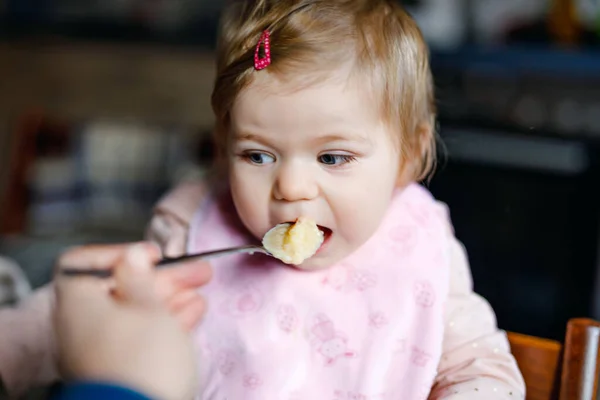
325	110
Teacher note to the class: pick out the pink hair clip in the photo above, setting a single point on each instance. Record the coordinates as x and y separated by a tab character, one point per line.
264	62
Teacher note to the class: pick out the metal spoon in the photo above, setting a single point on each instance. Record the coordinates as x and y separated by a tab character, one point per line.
168	261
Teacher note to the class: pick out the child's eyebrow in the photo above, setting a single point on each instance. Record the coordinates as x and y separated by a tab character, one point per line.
319	140
251	137
334	137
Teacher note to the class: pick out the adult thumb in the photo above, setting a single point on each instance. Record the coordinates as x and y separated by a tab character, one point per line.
135	276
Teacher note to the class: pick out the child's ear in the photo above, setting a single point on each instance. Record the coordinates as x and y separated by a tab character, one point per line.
415	154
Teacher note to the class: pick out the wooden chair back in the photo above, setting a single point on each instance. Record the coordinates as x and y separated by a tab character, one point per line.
555	371
540	363
581	359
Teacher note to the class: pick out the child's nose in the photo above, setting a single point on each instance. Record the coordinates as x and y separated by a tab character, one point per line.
294	183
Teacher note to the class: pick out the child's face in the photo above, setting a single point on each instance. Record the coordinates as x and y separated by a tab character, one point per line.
321	152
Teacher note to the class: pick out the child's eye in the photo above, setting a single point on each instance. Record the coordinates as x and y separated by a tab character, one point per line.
258	158
336	159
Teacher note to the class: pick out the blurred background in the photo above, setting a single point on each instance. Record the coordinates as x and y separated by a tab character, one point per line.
105	105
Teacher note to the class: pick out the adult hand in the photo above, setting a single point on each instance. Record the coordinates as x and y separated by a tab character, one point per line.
131	329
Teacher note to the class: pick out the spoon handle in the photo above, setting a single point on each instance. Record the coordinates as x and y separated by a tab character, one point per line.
212	254
168	261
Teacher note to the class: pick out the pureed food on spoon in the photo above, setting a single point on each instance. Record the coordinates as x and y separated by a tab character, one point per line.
294	243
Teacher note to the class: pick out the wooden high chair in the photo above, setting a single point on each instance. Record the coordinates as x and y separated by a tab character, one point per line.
566	371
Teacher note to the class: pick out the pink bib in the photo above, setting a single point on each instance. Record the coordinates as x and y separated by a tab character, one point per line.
368	328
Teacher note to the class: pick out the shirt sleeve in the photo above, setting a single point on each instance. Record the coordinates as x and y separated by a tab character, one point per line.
170	222
96	391
476	361
27	345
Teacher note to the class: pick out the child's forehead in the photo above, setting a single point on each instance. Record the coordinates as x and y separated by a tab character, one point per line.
289	80
326	112
323	98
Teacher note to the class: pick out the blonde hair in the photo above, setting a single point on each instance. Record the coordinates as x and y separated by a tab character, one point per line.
381	40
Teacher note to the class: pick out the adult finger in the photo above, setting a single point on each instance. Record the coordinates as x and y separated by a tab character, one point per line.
91	256
172	280
99	256
191	313
135	276
85	257
180	299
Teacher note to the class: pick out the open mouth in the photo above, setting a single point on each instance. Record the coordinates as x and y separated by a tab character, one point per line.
326	232
326	236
